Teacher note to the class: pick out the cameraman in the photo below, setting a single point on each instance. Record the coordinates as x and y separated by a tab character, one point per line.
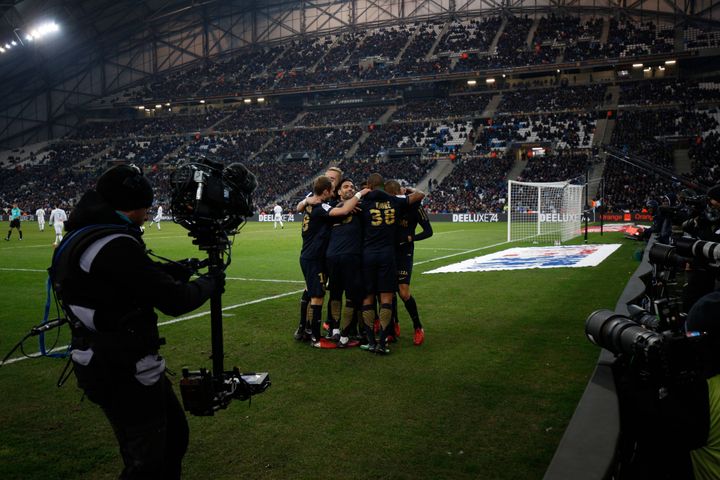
109	288
701	277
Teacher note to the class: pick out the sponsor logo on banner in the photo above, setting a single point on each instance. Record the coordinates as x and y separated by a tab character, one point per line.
522	258
475	217
560	217
271	217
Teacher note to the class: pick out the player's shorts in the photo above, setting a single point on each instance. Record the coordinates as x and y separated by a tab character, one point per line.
315	276
157	218
59	228
379	272
278	217
343	272
404	260
15	223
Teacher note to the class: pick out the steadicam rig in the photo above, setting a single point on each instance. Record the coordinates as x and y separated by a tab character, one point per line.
212	201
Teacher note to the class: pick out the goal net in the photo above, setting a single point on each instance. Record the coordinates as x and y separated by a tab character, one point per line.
544	212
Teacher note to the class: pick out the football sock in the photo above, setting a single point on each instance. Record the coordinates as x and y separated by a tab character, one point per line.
368	315
347	317
412	310
304	303
385	315
315	316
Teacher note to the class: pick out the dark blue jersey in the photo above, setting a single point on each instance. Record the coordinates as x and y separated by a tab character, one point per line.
414	216
381	213
315	231
346	236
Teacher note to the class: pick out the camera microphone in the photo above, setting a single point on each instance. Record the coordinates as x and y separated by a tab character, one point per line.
199	177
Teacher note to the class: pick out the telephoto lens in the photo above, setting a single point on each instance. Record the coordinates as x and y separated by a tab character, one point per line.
620	334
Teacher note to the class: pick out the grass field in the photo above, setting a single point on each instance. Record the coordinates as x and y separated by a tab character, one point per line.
487	396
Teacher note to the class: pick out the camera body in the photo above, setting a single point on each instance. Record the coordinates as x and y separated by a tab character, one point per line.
210	199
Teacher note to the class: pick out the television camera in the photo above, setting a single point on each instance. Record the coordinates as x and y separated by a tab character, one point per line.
212	201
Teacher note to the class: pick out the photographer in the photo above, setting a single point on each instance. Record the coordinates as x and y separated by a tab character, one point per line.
662	219
705	225
109	288
705	317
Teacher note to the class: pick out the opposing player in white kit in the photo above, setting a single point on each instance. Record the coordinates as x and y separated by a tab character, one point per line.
40	215
157	217
57	218
278	216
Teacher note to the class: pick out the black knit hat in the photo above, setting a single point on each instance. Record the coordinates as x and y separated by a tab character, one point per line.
714	193
125	188
704	316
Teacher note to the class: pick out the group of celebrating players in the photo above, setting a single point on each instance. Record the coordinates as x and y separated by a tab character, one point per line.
360	244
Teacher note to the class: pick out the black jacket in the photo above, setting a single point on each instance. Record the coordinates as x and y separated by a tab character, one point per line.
106	270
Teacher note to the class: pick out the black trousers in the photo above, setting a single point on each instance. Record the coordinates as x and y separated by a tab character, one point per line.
148	421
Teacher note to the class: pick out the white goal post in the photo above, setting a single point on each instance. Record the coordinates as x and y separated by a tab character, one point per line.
544	212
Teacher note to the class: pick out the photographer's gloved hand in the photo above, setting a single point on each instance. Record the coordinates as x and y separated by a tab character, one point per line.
212	283
181	270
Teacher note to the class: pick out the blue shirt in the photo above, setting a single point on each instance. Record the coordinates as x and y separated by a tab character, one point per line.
15	213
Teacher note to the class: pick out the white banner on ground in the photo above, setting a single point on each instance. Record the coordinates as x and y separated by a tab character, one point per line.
534	257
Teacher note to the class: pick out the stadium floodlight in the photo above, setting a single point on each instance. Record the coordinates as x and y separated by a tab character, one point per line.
489	80
471	82
167	104
638	65
544	212
29	37
2	49
669	62
8	46
158	106
261	100
247	100
141	107
202	101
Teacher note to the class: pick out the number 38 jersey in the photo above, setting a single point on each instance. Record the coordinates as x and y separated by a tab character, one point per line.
381	214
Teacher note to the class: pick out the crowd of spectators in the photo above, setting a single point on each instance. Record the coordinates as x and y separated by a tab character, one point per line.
405	170
251	118
668	91
166	124
560	166
342	116
439	108
464	46
566	97
476	184
320	143
562	130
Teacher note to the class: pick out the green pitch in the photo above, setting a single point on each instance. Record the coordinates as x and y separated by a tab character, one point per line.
487	396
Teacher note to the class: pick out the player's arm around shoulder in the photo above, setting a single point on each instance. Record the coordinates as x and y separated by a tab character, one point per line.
348	205
414	196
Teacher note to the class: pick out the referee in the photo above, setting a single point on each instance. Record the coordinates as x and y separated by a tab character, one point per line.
15	214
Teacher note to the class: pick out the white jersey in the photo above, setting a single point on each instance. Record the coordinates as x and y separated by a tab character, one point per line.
278	210
40	214
58	216
158	215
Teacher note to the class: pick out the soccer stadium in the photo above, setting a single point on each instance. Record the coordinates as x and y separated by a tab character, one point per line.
212	212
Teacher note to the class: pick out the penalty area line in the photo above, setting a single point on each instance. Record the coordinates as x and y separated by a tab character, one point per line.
170	322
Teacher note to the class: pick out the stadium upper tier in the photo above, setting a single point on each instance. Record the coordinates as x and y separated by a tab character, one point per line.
674	124
424	49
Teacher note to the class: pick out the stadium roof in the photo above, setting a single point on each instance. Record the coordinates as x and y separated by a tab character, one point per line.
105	45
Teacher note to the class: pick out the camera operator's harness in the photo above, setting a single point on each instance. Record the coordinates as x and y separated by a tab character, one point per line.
62	273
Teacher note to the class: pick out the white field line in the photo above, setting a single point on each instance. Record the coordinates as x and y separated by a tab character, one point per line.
21	270
460	253
170	322
270	280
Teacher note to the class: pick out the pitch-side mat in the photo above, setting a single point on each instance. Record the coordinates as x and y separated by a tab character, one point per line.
520	258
